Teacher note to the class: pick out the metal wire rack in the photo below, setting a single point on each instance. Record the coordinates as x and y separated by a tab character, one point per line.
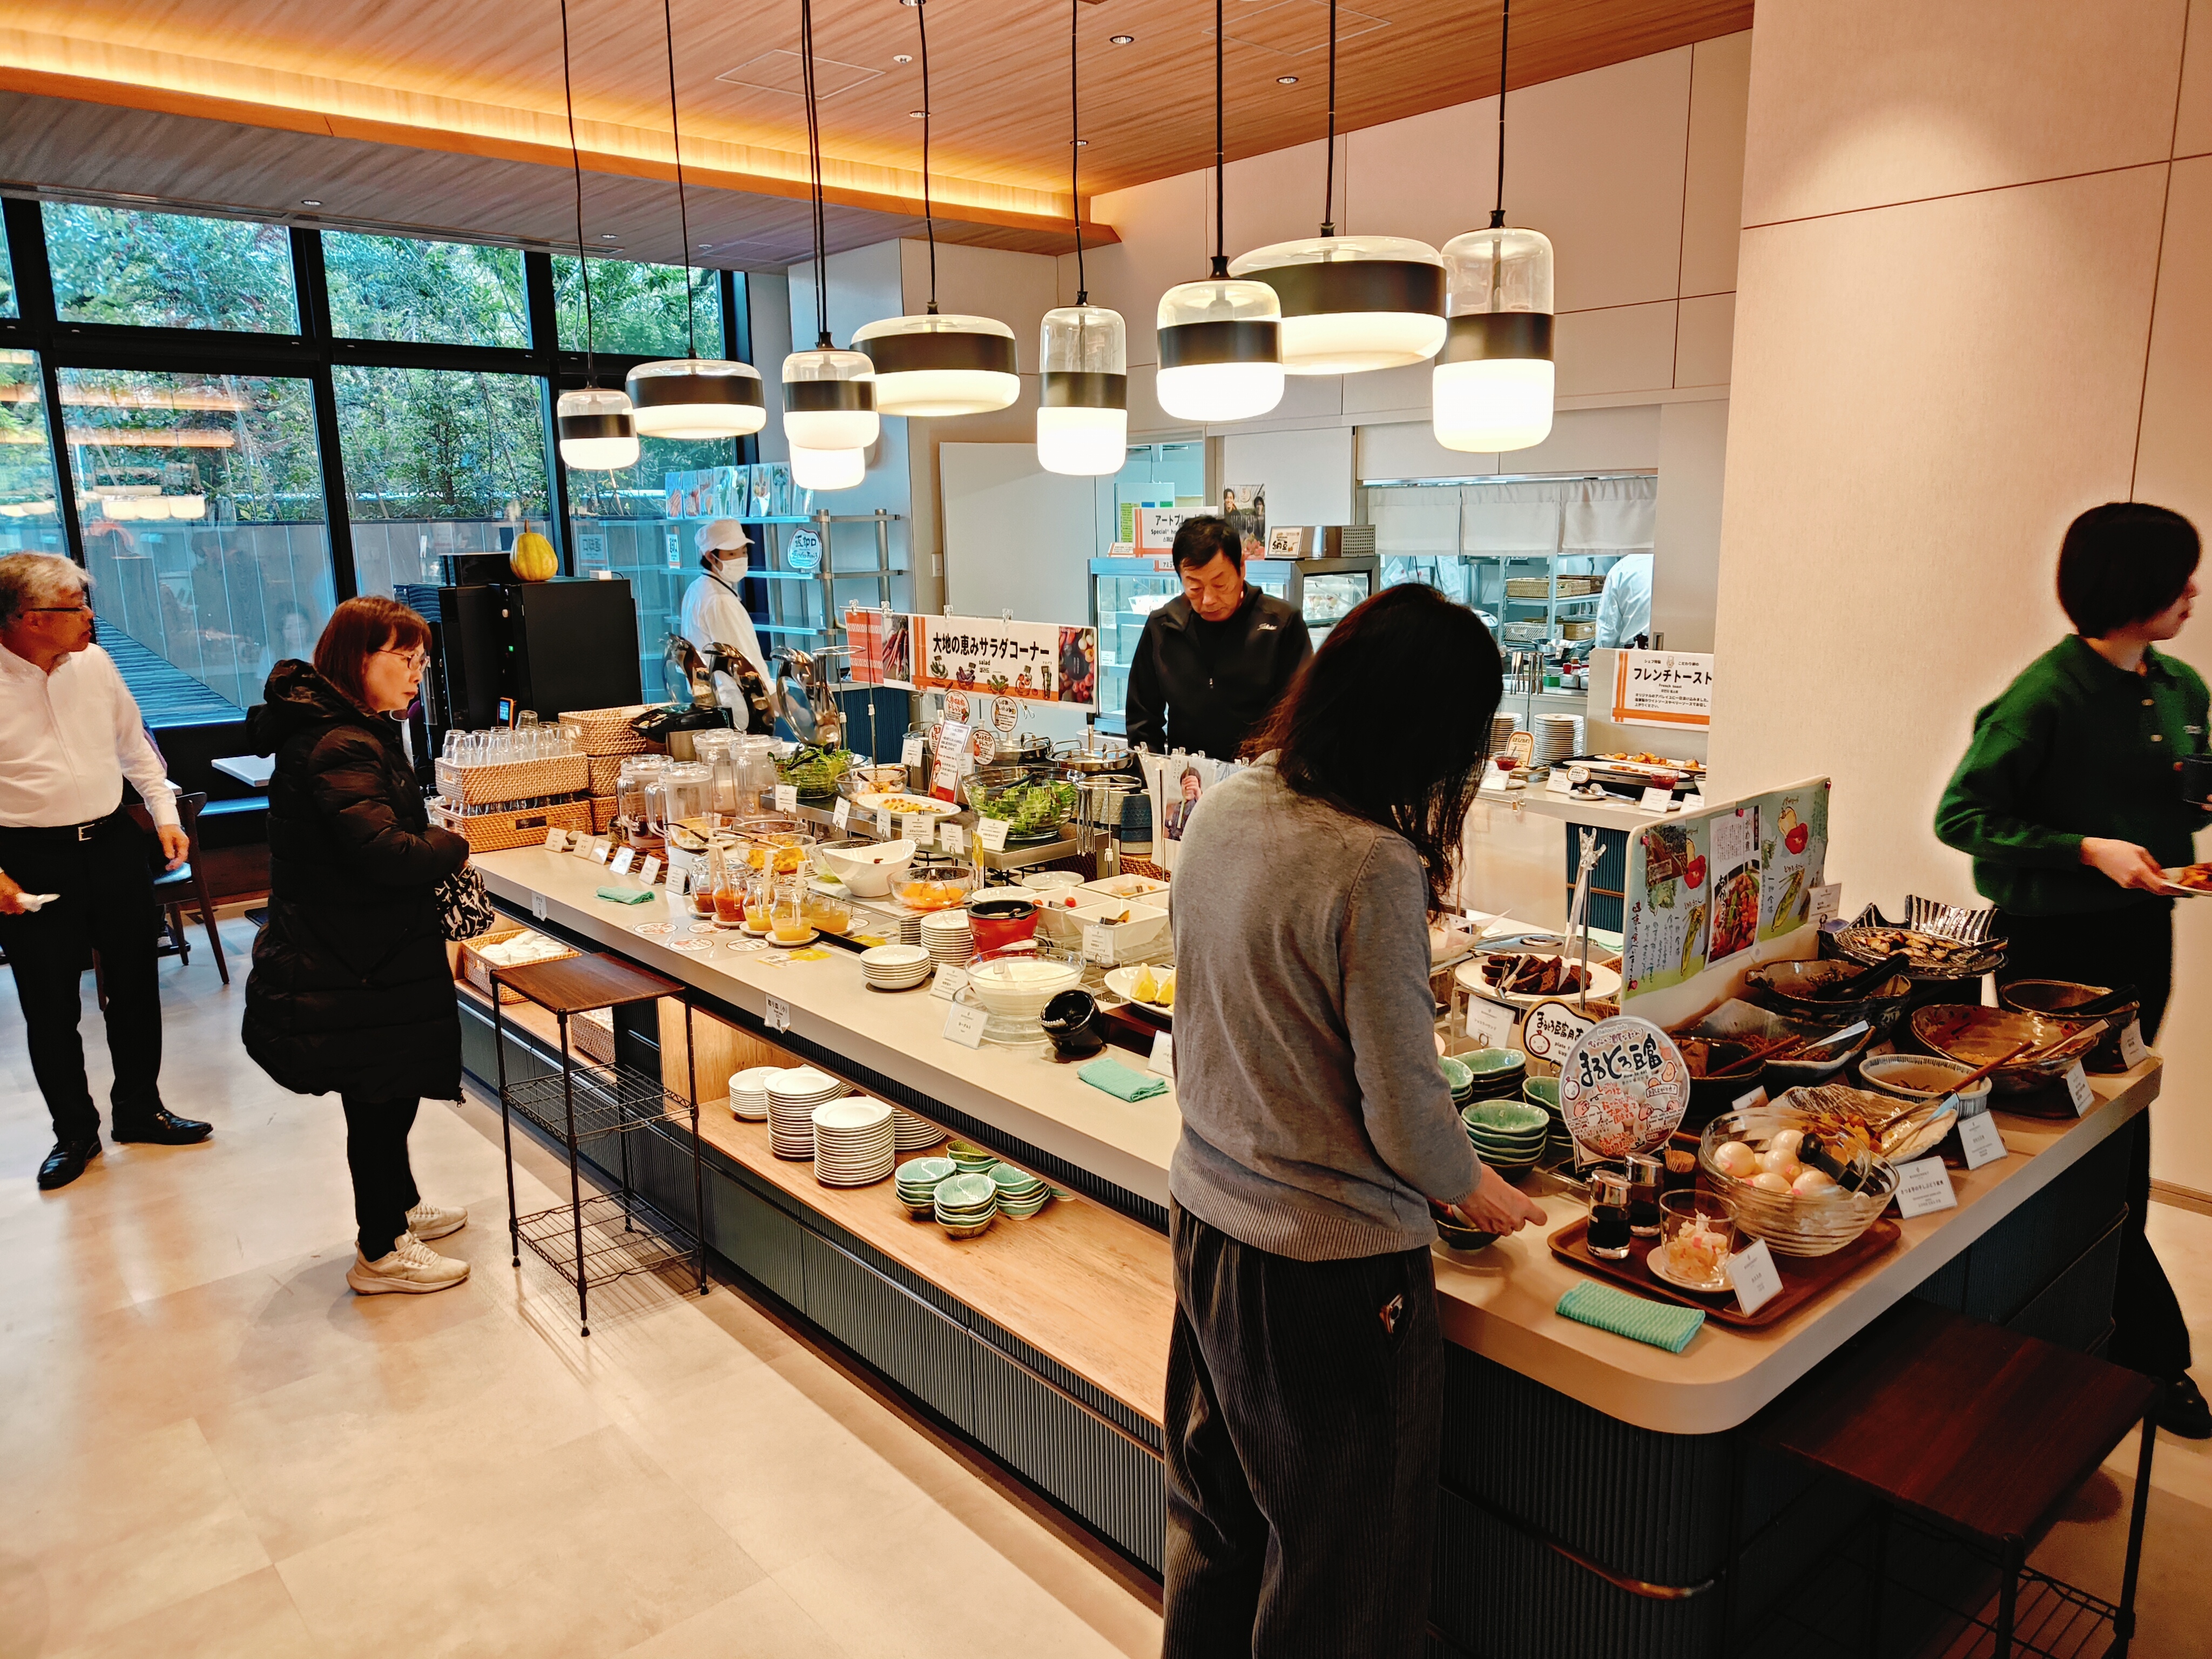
621	1236
609	1100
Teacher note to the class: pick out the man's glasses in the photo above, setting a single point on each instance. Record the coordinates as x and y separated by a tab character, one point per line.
77	610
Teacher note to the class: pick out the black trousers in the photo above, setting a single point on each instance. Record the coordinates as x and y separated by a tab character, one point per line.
1305	1428
383	1182
2128	946
106	904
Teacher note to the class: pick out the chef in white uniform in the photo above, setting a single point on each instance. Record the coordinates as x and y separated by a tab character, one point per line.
1623	608
712	612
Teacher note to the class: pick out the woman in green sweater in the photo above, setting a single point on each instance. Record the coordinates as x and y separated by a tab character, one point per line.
2069	802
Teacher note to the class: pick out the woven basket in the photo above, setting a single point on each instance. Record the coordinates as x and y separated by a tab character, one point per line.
1579	587
493	832
606	773
602	813
608	731
531	780
476	971
1578	630
592	1034
1528	588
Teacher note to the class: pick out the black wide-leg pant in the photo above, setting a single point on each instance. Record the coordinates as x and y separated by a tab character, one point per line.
1305	1427
383	1179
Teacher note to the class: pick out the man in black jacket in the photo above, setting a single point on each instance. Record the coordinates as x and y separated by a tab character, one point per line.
1210	664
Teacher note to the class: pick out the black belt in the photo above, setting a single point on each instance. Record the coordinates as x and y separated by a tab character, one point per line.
48	833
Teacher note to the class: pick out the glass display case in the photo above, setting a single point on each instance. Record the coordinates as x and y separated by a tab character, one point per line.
1328	588
1124	593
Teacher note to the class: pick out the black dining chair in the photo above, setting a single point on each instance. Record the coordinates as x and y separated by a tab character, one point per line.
186	885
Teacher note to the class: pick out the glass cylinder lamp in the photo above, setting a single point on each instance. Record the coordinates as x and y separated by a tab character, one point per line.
1352	303
1492	389
595	429
828	468
697	397
941	365
1220	349
1083	412
830	400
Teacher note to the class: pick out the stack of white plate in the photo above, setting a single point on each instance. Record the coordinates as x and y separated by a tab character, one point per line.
853	1142
1558	736
1501	731
948	936
895	967
910	1133
749	1093
793	1095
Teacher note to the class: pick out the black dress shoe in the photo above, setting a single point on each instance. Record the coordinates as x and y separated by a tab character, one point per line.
2184	1412
164	1128
66	1162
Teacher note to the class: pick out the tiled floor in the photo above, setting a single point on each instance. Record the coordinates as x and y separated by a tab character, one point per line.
208	1446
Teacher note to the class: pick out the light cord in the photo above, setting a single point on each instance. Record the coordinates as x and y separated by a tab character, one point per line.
1220	230
928	215
1328	191
683	214
1504	34
1075	146
576	163
814	162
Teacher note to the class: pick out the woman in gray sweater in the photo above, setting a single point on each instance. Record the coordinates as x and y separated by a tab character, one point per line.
1305	1372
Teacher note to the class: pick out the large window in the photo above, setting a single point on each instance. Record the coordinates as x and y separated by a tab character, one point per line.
7	304
29	511
200	501
639	309
394	288
437	461
170	270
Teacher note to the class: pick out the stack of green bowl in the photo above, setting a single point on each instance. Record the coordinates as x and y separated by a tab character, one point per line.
971	1158
1461	1079
1544	1092
918	1180
1496	1073
1509	1135
966	1204
1021	1194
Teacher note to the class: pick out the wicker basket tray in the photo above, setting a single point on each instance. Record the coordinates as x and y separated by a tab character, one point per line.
602	813
593	1033
608	731
1528	588
493	832
1578	630
472	968
606	772
1579	587
531	780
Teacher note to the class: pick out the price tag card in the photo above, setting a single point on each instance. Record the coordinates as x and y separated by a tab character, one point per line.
649	871
601	852
1825	904
917	827
991	833
557	840
1755	1277
1656	800
1694	803
1495	780
1162	1064
952	838
1979	1139
786	798
1750	1102
842	813
964	1024
2078	1090
1098	944
1490	1023
1559	783
778	1018
1924	1185
537	906
910	751
2132	1052
950	982
621	862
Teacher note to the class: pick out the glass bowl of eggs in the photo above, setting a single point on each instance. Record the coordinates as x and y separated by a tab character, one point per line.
1752	1160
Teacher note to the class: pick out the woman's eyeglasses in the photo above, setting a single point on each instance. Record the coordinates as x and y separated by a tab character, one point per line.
417	660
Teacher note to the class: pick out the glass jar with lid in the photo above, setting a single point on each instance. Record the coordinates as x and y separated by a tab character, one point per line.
687	798
754	766
717	752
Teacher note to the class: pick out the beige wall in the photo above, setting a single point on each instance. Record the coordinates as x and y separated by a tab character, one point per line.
1974	297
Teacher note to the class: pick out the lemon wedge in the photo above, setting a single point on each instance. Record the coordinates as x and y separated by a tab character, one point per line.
1146	988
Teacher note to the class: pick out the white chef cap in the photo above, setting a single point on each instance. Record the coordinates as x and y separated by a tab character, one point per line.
722	536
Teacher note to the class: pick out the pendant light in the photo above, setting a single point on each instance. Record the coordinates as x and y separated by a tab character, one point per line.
1491	388
1220	340
594	425
1083	416
1351	303
829	416
692	396
933	364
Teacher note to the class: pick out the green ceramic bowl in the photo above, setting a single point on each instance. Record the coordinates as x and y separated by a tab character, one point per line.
1456	1073
1542	1092
1488	1064
1463	1238
1511	1118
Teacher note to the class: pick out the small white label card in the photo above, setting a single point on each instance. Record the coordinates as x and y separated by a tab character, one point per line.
1750	1102
842	813
1098	944
601	851
2132	1052
537	906
778	1017
557	840
964	1024
1496	780
991	833
952	838
649	871
2078	1090
1824	902
1656	800
1924	1185
1559	783
950	982
1979	1139
786	798
621	862
916	827
1490	1024
1162	1064
1694	803
910	751
1755	1277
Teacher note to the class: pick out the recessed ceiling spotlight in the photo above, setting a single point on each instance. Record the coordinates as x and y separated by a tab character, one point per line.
309	201
1123	39
1286	80
1083	143
607	236
706	247
917	115
902	58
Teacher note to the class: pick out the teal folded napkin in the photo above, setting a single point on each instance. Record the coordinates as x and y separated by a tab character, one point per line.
1118	1080
1659	1323
626	895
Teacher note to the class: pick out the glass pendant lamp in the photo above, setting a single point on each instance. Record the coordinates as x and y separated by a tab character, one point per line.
1492	387
1220	339
828	468
1083	411
594	425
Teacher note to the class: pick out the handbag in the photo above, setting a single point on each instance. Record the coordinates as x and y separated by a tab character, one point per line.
464	908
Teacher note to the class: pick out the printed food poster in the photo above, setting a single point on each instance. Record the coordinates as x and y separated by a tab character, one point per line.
1793	856
1033	662
1736	869
1671	899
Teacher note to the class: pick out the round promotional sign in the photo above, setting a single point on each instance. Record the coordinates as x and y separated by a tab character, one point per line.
802	552
983	746
1623	1087
955	706
1007	715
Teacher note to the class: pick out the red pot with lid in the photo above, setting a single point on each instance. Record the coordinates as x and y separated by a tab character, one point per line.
997	919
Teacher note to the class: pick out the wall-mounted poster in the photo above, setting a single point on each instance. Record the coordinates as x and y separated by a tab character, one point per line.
1664	688
1033	662
1736	869
1673	899
1793	856
1245	506
882	643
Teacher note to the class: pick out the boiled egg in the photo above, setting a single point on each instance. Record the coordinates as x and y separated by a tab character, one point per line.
1736	1159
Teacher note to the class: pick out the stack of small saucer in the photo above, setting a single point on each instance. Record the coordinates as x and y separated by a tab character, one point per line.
895	967
919	1178
966	1205
793	1095
749	1093
1558	736
1021	1194
950	939
910	1133
852	1142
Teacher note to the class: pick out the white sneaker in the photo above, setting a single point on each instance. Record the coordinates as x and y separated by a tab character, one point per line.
413	1268
427	1221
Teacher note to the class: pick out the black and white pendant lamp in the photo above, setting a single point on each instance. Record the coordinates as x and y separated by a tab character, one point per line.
829	416
692	396
1083	413
594	424
1493	387
1220	339
935	364
1351	303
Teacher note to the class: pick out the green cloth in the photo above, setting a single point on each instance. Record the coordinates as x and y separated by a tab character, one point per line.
1118	1080
626	895
1660	1323
2075	748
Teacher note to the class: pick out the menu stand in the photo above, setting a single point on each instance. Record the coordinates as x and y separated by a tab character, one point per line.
599	1239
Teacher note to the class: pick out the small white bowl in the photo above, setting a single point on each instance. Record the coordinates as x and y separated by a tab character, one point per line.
870	872
1044	881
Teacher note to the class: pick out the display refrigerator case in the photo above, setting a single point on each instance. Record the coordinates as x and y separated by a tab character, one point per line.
1124	593
1325	589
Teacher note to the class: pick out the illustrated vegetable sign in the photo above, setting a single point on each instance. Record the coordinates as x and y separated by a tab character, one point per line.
1694	877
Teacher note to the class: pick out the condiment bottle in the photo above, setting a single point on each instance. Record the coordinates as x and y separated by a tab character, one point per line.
1645	1174
1609	1231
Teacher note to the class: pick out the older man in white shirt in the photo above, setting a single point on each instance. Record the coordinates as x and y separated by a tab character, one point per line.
74	873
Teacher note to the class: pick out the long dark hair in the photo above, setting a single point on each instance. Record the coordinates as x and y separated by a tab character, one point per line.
1390	721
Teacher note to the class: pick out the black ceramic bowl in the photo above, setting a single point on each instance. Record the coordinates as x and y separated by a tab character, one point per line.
1069	1020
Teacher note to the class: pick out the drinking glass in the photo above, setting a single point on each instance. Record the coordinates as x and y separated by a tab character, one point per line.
1698	1236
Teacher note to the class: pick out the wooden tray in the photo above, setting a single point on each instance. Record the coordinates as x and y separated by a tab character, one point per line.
1803	1277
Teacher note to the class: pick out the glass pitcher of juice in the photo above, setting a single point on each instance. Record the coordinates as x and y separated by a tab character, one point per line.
787	913
728	891
758	892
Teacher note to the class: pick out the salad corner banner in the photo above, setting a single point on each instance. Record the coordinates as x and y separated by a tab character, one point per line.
1030	662
1707	886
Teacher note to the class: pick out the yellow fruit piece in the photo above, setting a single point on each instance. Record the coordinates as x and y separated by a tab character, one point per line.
534	558
1146	988
1165	997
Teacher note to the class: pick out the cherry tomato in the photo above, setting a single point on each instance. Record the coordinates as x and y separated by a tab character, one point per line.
1694	876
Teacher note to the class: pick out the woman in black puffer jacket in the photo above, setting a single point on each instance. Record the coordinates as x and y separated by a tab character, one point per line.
351	992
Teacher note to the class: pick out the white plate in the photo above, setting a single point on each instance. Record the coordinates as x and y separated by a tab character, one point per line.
1044	881
1663	1268
1122	982
1604	986
874	803
2175	889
